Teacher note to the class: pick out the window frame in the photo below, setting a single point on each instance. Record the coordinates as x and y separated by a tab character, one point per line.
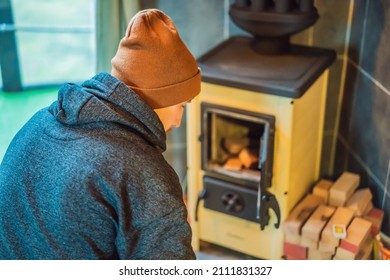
9	57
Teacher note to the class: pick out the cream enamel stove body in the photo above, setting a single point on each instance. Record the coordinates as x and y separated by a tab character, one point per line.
269	111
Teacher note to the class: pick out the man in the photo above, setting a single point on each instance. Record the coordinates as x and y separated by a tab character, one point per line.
85	178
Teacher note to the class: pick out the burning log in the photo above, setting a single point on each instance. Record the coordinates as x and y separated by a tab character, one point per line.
239	155
233	164
234	145
248	158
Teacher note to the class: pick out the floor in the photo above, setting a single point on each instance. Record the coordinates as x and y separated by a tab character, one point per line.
213	252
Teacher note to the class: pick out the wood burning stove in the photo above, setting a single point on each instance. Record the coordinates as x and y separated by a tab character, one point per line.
254	137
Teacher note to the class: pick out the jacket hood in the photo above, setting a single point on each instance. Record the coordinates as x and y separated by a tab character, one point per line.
104	99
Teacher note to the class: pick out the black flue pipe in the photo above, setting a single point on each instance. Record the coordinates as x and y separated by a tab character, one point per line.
283	6
242	3
306	5
259	5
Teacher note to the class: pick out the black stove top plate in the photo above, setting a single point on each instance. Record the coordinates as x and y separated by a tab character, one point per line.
234	63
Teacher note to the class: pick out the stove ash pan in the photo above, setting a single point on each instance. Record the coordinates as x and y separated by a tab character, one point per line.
237	157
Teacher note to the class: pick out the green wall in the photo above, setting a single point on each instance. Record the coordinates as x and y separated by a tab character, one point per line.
17	108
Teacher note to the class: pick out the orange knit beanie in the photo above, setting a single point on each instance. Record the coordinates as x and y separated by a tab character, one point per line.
154	62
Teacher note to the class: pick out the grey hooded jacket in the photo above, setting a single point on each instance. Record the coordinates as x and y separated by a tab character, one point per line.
86	179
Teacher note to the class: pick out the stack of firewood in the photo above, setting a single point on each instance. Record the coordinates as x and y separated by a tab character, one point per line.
335	221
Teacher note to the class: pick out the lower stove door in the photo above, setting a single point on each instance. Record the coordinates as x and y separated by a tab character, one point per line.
233	224
229	198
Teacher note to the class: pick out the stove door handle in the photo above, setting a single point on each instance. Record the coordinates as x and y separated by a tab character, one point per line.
268	201
202	195
265	201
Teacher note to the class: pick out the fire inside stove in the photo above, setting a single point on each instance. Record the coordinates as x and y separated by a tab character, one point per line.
234	141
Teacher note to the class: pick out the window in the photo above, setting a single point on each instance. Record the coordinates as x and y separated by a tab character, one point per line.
54	40
1	80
